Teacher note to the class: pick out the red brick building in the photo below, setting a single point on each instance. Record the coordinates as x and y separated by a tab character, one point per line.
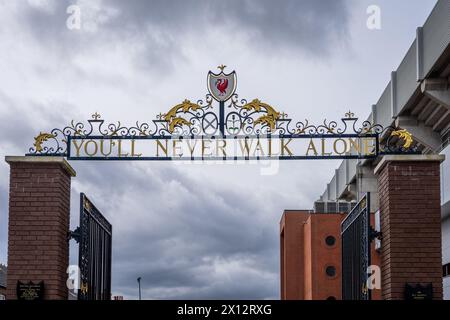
310	249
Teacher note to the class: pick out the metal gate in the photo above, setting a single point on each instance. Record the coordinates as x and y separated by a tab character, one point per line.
355	230
94	257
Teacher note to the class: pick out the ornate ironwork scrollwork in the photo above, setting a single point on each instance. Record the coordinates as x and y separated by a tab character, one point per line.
238	118
254	117
196	119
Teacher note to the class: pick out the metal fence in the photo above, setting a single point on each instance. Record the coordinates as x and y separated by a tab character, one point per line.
94	253
355	230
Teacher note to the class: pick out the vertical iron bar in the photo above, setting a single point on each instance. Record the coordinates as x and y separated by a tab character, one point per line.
109	260
80	247
343	266
222	117
377	145
69	141
369	251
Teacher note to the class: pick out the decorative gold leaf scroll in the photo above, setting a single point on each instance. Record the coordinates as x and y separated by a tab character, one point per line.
269	119
42	137
174	120
405	136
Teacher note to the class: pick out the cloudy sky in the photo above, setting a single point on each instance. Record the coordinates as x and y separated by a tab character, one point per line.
192	230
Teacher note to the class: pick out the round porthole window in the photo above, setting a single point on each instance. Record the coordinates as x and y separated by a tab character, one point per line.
330	241
330	271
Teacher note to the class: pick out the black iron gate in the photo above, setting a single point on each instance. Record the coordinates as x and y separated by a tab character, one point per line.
355	231
94	257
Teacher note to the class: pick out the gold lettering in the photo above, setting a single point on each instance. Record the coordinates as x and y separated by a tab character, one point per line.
111	144
205	147
120	154
284	147
132	150
259	148
312	147
221	147
77	147
355	143
323	149
176	148
245	148
335	146
86	148
368	151
190	147
160	145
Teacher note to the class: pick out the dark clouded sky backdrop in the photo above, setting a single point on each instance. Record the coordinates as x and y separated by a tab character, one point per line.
192	230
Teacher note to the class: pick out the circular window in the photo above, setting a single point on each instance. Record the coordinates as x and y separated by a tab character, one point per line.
330	241
331	271
331	298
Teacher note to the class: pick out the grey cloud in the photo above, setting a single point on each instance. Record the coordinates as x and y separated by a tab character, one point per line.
187	237
304	24
20	123
158	29
201	281
175	248
16	126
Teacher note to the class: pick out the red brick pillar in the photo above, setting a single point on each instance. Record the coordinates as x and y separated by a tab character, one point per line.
410	211
39	207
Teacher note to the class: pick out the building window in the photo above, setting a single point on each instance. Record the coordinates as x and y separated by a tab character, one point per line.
330	271
330	241
331	298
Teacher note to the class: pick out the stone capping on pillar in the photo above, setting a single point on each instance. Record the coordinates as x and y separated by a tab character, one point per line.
408	157
43	159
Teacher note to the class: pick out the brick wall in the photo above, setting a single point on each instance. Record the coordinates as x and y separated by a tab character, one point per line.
411	225
39	206
292	255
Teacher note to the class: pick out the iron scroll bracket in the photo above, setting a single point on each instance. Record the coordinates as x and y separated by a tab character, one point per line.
75	234
374	234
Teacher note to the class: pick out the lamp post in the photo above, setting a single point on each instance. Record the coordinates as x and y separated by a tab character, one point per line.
139	283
